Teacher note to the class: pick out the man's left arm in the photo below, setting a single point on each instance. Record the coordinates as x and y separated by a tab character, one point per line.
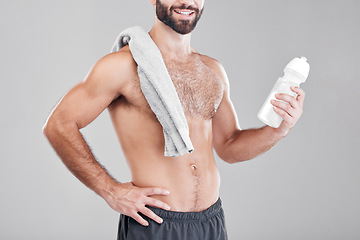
233	144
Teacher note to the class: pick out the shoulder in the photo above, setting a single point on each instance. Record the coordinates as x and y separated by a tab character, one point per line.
114	69
116	63
217	67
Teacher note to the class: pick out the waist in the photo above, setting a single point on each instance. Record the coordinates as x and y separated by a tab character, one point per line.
192	179
208	213
191	189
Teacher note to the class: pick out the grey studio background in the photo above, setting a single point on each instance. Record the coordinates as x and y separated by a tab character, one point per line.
306	187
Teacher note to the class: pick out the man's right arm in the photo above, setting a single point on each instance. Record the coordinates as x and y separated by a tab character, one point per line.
79	107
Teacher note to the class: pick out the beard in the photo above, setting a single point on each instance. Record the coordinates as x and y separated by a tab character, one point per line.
182	26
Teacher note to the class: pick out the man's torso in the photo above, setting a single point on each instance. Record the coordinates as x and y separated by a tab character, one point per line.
192	179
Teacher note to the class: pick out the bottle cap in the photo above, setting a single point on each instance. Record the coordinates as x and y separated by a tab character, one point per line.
300	66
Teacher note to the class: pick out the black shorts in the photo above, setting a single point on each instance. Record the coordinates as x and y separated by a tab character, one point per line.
205	225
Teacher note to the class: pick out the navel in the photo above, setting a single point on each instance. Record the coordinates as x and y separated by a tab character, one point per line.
193	166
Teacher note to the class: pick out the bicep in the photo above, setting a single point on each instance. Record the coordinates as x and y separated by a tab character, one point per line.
225	122
88	99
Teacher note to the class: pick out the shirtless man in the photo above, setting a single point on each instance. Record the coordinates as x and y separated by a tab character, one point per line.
163	190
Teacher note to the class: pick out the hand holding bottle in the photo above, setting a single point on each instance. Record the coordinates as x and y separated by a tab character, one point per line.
290	110
283	106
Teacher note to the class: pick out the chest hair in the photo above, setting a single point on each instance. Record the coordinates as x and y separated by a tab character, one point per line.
198	87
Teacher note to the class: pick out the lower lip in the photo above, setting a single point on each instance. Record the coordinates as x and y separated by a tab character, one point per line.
185	16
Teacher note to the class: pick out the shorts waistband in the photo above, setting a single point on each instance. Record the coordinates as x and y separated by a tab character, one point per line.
188	216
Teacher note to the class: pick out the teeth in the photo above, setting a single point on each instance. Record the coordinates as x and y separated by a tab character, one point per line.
184	13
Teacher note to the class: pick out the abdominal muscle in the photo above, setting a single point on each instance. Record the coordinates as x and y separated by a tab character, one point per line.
192	179
192	186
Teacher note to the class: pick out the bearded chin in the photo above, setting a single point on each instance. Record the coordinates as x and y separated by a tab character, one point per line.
182	26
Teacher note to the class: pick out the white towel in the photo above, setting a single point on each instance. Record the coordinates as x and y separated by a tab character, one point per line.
158	89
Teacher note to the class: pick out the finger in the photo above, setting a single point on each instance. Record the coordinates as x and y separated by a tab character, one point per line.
156	203
287	98
139	219
300	95
285	116
147	212
155	190
285	107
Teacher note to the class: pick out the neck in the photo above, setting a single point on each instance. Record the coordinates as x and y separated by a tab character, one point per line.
170	43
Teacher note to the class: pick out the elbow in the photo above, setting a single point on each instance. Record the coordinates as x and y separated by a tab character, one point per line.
230	160
231	152
47	128
51	129
235	155
51	125
226	155
233	159
55	126
226	151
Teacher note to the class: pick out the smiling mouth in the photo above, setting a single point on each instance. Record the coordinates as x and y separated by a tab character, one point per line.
184	12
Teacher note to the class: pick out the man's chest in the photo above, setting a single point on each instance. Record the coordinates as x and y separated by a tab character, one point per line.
199	90
198	87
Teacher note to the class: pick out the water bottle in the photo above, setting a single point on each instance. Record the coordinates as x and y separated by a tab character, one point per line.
295	73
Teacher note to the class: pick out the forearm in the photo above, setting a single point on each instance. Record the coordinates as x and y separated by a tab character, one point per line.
75	153
247	144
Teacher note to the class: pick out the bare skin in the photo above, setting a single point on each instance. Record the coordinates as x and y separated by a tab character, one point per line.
187	183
